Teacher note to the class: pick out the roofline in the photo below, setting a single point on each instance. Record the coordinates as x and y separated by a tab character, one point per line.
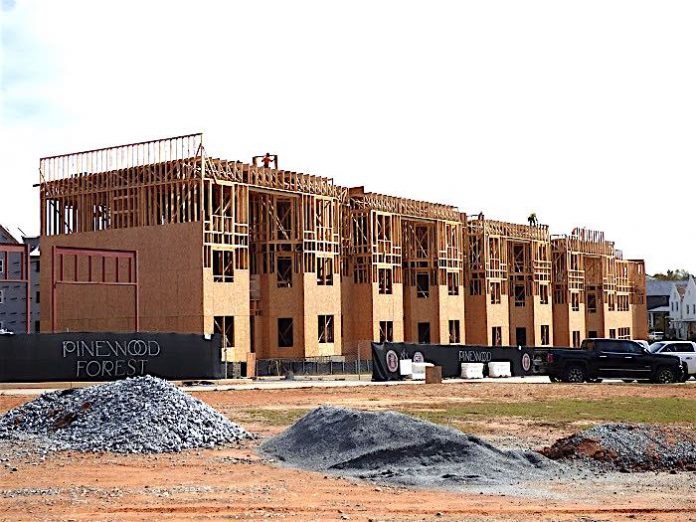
6	230
123	145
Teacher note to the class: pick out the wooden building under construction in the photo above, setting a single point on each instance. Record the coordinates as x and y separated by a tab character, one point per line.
403	264
508	298
596	293
160	236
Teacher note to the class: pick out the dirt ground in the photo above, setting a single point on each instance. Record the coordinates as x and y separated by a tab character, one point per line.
236	484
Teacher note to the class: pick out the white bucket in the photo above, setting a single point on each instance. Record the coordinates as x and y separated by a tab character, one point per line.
472	370
499	369
405	367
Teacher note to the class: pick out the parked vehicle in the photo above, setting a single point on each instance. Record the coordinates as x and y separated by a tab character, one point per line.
644	344
612	359
684	350
656	336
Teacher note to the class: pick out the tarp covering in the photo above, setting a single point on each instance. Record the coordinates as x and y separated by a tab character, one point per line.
108	356
386	356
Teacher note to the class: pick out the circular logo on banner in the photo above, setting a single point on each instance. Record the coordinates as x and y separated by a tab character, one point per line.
392	361
418	357
526	362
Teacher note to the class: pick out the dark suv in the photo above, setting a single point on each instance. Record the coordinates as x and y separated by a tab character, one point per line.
612	359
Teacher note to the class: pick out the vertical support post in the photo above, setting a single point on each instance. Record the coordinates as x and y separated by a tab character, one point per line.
27	268
201	206
53	289
137	288
359	363
224	350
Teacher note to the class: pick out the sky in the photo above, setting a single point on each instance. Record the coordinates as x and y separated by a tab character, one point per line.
583	112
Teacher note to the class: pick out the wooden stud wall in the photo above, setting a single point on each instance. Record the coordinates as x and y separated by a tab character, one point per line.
140	184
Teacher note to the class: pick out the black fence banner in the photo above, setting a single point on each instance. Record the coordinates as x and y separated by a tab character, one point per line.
386	357
108	356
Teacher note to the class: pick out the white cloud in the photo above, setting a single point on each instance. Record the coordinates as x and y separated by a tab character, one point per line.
581	111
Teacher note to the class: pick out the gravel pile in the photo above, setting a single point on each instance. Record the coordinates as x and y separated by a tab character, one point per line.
628	447
394	448
139	415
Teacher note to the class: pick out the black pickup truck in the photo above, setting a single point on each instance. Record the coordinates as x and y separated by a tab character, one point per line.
611	359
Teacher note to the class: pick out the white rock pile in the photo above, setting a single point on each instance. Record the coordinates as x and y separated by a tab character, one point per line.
138	415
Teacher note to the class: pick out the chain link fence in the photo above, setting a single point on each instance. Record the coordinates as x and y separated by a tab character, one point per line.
356	360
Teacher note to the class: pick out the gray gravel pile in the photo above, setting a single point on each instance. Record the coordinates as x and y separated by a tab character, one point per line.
394	448
139	415
630	447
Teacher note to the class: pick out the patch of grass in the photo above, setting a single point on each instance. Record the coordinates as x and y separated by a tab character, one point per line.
473	417
658	410
276	417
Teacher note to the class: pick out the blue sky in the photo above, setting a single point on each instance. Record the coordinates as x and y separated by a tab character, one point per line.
583	112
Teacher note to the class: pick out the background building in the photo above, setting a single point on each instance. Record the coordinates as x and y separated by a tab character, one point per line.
682	309
19	257
657	295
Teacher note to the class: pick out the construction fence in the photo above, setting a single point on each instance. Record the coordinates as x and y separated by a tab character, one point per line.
356	360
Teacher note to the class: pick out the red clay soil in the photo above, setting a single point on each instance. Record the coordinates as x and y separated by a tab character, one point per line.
236	484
